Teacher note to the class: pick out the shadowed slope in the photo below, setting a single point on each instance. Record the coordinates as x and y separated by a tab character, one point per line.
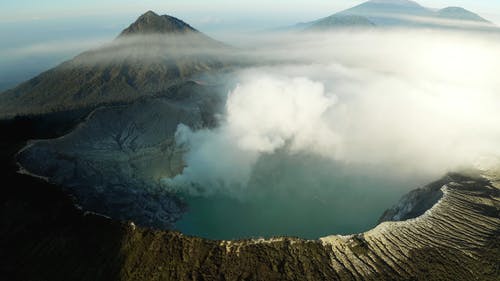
153	54
44	237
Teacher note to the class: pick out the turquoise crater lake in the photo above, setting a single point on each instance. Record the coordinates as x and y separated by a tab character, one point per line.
298	196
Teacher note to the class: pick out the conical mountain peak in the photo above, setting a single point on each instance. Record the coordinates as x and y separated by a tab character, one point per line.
150	23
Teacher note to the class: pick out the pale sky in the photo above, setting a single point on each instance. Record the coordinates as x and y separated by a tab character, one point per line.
36	35
204	11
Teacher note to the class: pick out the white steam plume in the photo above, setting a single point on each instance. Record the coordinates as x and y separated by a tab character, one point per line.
425	102
264	114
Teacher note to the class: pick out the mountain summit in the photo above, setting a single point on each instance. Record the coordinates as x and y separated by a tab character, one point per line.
396	2
150	22
119	72
458	13
383	8
400	12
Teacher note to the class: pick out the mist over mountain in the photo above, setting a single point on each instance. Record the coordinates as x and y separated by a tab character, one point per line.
340	21
158	52
377	9
459	13
399	13
148	58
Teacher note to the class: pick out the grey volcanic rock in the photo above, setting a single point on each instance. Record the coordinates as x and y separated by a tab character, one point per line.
113	162
151	56
457	239
416	202
150	22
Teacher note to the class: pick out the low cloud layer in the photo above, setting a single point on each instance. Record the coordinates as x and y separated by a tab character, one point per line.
421	102
51	47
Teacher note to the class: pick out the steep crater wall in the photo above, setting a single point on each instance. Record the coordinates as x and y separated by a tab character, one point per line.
112	162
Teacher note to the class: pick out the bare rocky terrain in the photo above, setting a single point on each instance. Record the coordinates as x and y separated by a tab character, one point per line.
103	129
112	163
45	236
457	239
149	58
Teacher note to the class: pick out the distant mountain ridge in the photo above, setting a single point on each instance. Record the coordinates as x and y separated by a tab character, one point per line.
459	13
387	6
148	58
340	21
396	13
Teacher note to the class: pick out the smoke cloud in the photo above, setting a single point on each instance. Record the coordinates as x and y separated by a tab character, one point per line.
422	102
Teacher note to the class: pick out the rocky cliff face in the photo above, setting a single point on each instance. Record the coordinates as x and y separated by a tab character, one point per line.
457	239
145	85
113	161
448	230
416	202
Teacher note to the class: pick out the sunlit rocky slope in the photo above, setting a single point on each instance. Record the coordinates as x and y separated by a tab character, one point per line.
457	239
